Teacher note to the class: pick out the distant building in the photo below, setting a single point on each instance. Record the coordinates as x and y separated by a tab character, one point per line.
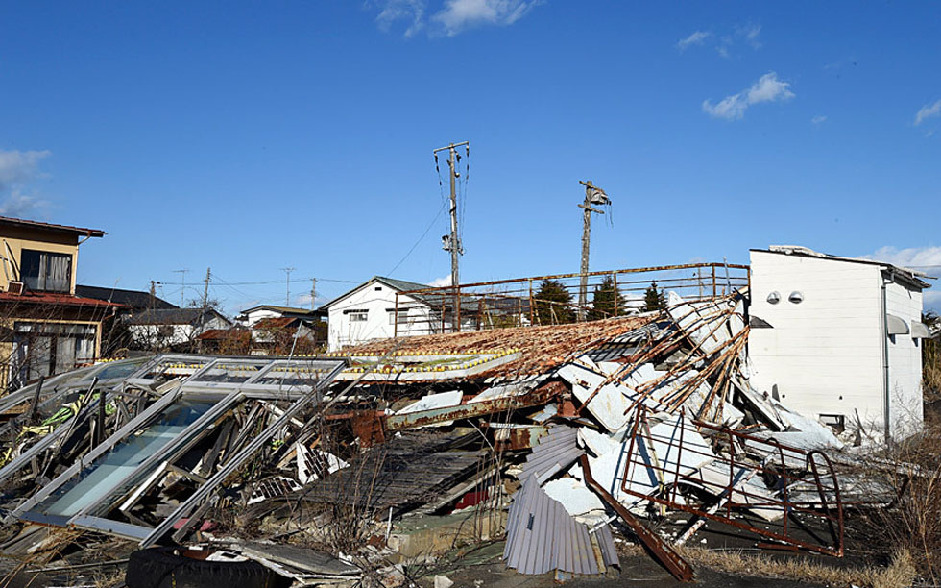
131	301
47	328
838	338
175	329
369	311
250	316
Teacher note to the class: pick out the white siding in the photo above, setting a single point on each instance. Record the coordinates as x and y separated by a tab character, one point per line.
376	299
824	354
906	405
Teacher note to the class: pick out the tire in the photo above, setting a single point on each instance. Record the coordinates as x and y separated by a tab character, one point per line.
165	567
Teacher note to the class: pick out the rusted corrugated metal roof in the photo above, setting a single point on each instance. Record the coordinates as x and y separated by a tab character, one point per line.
540	348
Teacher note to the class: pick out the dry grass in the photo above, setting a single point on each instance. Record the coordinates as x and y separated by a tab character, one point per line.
913	523
900	573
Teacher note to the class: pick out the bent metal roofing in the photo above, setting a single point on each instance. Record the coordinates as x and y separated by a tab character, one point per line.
539	349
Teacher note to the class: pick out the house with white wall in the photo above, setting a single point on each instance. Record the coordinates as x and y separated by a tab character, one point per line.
838	339
370	311
250	316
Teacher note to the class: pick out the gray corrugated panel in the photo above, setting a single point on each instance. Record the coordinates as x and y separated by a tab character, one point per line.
542	537
556	450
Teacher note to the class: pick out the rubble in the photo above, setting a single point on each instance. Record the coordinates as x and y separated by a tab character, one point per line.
562	436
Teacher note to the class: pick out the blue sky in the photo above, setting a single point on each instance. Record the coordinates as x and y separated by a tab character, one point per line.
249	137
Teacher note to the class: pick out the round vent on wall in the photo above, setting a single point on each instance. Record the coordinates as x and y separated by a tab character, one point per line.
774	297
795	297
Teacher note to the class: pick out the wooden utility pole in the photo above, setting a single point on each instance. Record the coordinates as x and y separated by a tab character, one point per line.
452	242
593	196
313	293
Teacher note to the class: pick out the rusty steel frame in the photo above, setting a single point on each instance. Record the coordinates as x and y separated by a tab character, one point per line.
460	290
832	514
664	554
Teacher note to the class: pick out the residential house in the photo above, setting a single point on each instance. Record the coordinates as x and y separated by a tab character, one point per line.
372	311
173	328
250	316
838	339
46	328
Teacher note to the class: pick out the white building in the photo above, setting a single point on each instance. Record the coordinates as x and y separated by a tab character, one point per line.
172	328
838	338
369	311
250	316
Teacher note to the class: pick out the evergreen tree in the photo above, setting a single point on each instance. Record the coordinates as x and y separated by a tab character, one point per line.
553	304
606	301
654	299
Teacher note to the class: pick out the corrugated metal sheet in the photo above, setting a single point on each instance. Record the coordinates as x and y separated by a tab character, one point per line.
556	451
542	537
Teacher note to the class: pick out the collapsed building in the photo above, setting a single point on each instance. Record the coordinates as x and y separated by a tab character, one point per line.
559	437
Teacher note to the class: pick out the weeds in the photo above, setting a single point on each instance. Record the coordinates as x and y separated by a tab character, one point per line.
900	572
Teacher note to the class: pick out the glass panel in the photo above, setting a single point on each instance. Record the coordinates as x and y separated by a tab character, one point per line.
65	354
231	372
111	471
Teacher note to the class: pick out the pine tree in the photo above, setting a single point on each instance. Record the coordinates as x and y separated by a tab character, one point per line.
553	304
606	301
654	298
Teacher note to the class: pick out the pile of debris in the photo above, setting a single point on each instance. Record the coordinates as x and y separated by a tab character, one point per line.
321	468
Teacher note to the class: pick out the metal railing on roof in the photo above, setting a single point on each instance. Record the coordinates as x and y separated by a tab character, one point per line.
551	300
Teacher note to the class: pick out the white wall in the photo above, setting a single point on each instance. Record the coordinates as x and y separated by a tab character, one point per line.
906	403
376	298
824	354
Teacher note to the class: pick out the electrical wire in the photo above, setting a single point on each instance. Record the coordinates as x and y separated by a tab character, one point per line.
410	251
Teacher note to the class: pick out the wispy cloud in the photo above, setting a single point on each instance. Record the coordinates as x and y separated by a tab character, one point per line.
723	42
819	119
928	111
440	282
697	38
451	17
925	259
751	34
17	170
393	11
17	167
459	15
20	205
767	89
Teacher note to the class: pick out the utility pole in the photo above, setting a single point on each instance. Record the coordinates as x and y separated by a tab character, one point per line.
593	196
206	290
182	273
452	242
287	296
153	294
313	293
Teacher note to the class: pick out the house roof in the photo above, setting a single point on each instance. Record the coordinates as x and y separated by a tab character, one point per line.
399	285
134	299
277	322
54	299
225	335
540	348
906	275
18	222
291	311
173	316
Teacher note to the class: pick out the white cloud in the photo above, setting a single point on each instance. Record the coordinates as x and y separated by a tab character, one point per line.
391	11
819	119
19	166
20	205
697	38
440	282
458	15
767	89
928	111
751	33
924	259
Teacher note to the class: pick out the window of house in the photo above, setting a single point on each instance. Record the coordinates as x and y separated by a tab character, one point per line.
45	349
46	272
359	317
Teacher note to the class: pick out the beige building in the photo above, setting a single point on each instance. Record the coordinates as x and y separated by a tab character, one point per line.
45	328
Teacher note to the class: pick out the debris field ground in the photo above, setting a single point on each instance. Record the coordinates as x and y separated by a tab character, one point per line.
589	452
